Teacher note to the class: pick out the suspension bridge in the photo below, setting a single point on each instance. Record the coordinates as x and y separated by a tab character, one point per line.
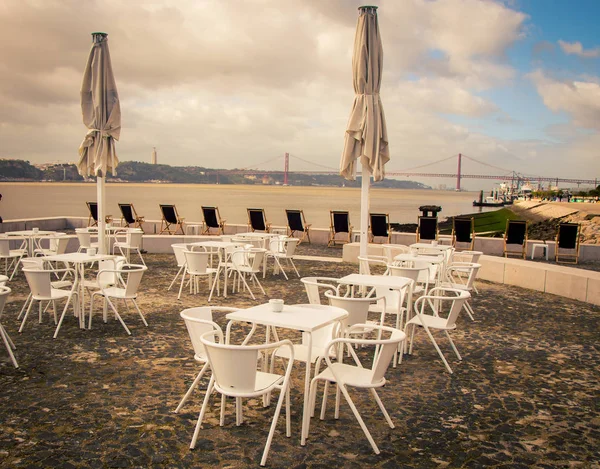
496	173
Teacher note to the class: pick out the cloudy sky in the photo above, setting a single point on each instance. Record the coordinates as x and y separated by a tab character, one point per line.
232	83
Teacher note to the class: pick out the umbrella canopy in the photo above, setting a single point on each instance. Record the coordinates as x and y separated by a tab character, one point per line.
102	116
366	133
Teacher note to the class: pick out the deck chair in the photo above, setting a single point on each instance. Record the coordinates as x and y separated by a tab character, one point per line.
427	229
297	224
379	225
340	223
130	217
463	232
93	218
567	238
515	238
257	220
212	219
171	221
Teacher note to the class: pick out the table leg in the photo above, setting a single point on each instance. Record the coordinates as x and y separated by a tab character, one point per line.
306	407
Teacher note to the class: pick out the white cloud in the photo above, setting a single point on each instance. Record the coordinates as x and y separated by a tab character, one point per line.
575	48
581	100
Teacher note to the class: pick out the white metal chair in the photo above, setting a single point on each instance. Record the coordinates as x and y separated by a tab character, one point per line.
131	275
133	242
465	256
281	248
455	278
199	321
235	374
248	262
359	374
196	266
392	250
14	255
40	284
314	286
438	302
178	249
39	264
8	343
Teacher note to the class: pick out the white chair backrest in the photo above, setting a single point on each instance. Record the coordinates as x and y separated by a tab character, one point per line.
386	352
289	246
134	238
3	280
466	256
59	244
33	263
312	285
471	268
357	308
39	282
277	245
178	249
110	277
84	237
134	274
197	261
199	321
4	247
4	292
233	366
257	255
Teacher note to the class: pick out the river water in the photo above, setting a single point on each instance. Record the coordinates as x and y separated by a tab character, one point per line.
32	200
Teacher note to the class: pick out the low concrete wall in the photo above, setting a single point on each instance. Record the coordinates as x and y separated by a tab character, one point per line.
570	282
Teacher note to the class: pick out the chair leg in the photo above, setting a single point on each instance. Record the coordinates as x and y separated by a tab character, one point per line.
9	345
359	418
176	276
382	408
282	395
291	261
453	346
26	314
182	282
62	316
118	316
209	391
438	349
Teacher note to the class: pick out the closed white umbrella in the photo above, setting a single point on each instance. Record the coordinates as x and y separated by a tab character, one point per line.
366	134
102	116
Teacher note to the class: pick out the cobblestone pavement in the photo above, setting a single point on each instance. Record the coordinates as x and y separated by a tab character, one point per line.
525	395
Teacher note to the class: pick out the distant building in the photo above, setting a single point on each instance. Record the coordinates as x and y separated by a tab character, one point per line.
154	157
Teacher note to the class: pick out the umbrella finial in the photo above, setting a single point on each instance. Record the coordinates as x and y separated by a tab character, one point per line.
98	37
368	8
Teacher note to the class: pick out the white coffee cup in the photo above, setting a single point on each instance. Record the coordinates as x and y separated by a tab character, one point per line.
91	251
276	305
434	243
35	230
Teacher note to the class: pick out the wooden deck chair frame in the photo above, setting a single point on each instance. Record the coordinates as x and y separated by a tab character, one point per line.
340	223
515	235
130	216
297	224
212	219
170	218
379	226
567	237
427	229
463	232
257	220
93	218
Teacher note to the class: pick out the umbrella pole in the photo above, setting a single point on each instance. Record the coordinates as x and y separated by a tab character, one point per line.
100	193
364	209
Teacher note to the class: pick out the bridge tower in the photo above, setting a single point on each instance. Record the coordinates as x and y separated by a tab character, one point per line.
458	173
286	169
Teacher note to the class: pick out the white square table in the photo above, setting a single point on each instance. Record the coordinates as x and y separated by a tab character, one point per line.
304	318
79	260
